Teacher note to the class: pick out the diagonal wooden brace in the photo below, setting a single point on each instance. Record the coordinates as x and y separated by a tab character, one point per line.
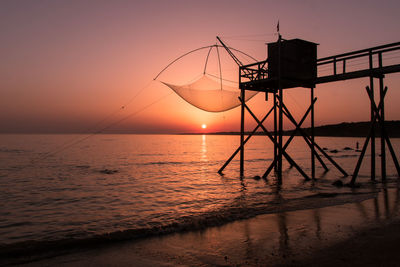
245	141
318	147
290	139
305	136
360	158
288	158
384	133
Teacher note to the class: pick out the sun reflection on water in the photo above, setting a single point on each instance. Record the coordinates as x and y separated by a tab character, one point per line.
204	149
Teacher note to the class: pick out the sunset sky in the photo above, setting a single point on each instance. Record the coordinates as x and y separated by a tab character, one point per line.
69	66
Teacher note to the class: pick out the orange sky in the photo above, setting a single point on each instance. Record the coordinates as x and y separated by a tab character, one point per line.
66	65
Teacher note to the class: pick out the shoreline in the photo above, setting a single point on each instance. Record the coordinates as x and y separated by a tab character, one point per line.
375	246
291	238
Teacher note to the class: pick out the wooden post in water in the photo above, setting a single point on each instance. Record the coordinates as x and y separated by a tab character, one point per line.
382	122
275	135
312	136
371	81
280	123
242	96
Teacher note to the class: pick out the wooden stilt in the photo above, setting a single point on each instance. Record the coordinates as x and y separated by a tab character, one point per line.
382	123
312	136
283	153
360	158
305	136
280	122
242	95
377	114
280	137
245	141
298	128
275	134
393	154
371	81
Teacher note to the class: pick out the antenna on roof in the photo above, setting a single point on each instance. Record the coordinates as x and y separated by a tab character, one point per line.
277	30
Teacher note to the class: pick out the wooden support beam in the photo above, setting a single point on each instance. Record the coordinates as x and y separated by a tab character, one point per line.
242	95
382	122
331	160
286	155
280	115
377	116
307	138
372	100
245	141
312	135
273	164
319	148
298	128
280	136
360	158
275	134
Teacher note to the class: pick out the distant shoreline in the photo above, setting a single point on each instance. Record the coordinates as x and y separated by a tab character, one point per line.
344	129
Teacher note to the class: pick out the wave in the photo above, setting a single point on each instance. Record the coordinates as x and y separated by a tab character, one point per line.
162	163
12	150
238	210
345	156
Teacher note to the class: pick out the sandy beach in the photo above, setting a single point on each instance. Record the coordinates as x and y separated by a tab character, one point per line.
364	233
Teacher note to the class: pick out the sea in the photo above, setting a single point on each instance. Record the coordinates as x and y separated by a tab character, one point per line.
59	190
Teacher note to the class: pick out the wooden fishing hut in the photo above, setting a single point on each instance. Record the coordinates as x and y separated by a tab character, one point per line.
290	64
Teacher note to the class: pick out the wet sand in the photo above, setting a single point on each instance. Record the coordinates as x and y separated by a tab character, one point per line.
363	233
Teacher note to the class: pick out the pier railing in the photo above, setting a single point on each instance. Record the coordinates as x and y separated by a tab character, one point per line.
375	61
254	71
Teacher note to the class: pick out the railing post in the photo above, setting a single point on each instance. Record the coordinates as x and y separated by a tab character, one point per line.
334	66
344	66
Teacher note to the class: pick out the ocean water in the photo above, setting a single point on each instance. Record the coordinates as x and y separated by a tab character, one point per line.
128	186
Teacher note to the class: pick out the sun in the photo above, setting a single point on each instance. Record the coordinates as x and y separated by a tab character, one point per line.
203	126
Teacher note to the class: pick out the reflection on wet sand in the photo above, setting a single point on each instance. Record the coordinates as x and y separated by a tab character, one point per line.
311	228
269	239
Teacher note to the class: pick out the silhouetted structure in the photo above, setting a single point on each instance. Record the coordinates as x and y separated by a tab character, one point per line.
293	63
375	69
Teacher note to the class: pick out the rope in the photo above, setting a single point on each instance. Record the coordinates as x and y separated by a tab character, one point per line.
71	143
94	126
248	35
215	76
